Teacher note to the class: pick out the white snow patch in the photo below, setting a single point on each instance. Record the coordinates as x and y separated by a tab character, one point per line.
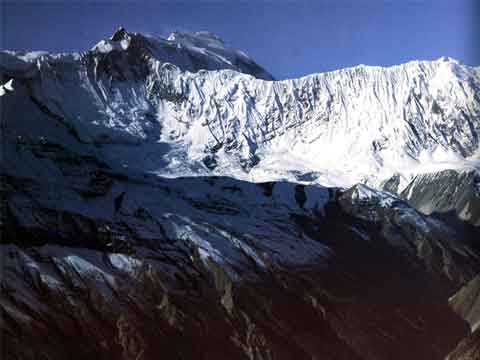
7	87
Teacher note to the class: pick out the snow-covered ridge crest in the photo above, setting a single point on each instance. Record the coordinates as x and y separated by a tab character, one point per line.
361	124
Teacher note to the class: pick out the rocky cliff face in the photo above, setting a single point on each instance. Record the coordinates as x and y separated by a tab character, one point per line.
447	192
467	303
273	270
105	239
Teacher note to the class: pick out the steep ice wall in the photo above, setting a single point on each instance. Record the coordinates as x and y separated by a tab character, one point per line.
150	110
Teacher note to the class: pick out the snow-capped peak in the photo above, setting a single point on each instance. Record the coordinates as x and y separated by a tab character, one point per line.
120	34
119	41
188	51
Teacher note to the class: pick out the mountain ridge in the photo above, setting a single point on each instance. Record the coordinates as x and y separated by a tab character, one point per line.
434	106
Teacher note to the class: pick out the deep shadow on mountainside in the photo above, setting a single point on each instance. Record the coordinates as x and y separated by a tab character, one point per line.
374	298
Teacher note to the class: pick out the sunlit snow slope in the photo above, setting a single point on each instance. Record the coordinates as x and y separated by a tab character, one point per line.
150	106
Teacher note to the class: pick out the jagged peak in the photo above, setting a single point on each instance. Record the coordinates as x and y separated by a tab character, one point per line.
119	34
119	41
193	51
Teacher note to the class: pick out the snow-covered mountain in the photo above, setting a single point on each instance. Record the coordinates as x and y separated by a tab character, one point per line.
188	51
104	238
362	124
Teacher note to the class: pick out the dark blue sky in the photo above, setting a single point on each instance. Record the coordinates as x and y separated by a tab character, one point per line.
289	38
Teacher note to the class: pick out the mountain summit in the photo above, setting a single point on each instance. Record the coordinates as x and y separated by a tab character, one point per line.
189	51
